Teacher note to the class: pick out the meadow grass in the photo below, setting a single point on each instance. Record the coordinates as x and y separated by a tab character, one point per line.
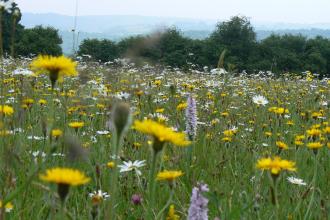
225	162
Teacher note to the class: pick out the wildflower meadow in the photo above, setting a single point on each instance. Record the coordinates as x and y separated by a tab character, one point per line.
112	141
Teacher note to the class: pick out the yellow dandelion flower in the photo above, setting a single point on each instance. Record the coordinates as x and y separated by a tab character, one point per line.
169	175
100	106
42	102
76	124
158	82
181	106
298	143
316	126
159	110
281	111
230	132
138	93
314	145
278	110
56	133
290	123
316	115
55	67
275	165
300	137
160	132
314	132
282	145
60	65
326	130
65	176
6	110
268	133
171	214
111	164
224	114
28	101
226	139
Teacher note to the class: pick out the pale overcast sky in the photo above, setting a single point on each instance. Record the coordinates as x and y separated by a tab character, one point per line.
296	11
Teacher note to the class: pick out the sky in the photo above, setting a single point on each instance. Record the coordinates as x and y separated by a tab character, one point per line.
290	11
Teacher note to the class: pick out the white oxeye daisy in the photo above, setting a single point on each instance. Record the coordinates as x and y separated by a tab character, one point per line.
98	196
260	100
132	166
122	95
102	132
296	181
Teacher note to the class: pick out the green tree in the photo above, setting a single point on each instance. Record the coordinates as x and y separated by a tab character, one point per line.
39	40
174	48
317	55
285	53
99	50
237	36
11	27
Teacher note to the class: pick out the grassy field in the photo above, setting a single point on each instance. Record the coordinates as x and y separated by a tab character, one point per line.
234	132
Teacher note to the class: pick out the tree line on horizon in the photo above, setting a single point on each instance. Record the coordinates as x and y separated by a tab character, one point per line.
234	39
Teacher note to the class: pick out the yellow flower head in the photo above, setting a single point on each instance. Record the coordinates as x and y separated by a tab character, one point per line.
56	133
160	132
226	139
111	164
314	132
64	176
42	102
55	67
28	101
76	124
171	214
282	145
61	65
181	106
224	114
275	165
314	145
159	110
158	82
139	93
230	132
326	130
169	175
6	110
268	133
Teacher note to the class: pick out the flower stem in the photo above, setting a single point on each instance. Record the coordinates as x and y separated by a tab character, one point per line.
151	182
274	180
314	188
114	178
166	205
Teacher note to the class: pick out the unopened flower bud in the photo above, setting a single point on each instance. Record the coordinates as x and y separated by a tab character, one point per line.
121	117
